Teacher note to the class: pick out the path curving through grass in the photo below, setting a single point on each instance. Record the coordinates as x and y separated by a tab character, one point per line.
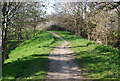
62	64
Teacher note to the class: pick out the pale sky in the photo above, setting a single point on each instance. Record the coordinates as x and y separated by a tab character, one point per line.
52	9
50	6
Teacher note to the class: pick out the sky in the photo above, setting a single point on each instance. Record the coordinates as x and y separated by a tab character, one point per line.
52	9
50	6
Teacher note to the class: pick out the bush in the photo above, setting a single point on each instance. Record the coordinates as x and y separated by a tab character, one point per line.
55	27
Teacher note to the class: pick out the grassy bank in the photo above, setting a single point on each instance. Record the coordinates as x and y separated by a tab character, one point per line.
30	59
95	60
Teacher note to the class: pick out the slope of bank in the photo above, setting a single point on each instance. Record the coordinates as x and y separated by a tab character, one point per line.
30	59
94	59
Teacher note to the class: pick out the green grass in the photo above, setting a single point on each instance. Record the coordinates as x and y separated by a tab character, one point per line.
30	59
95	60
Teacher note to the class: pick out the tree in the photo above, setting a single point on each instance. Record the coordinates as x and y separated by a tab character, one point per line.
8	11
91	20
18	19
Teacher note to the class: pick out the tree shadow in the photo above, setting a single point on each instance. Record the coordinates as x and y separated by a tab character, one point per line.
64	47
70	63
89	43
97	62
26	67
39	55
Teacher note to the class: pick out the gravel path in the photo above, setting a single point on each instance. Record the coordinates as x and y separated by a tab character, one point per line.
62	65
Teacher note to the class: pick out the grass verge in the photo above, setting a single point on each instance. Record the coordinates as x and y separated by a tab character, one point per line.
30	59
95	60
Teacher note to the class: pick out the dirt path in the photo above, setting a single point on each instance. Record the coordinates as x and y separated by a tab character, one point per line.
62	65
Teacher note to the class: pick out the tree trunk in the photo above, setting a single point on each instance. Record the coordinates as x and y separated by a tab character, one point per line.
4	31
34	31
19	36
0	41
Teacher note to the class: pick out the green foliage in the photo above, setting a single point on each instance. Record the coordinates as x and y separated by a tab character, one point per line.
95	60
30	59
